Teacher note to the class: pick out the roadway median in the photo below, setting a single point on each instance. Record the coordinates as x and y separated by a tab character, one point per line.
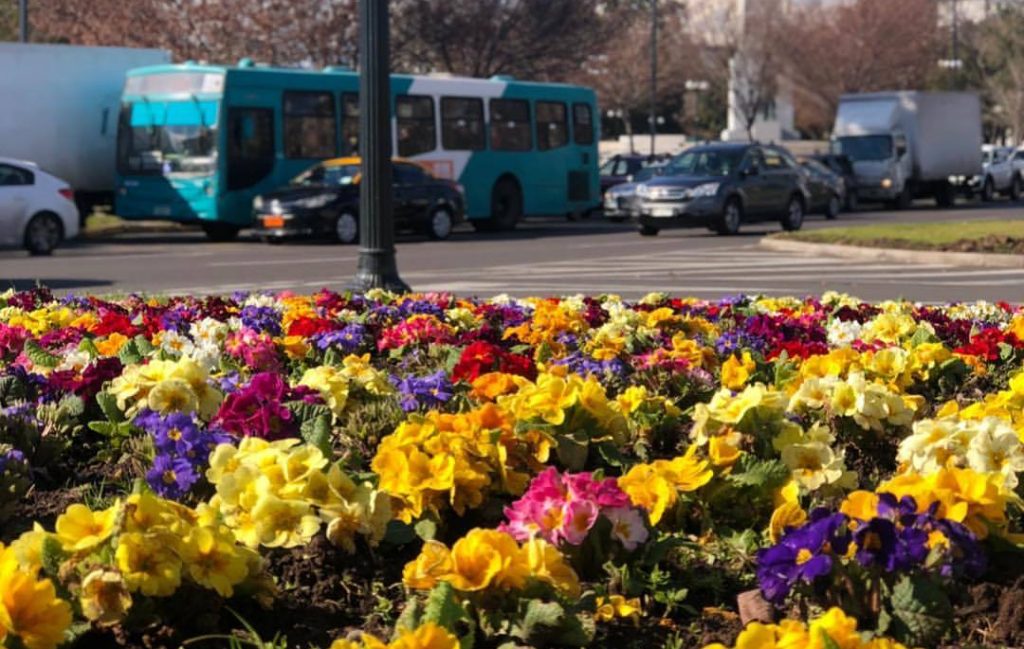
998	244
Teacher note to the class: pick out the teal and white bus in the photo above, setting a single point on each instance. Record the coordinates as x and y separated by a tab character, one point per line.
196	143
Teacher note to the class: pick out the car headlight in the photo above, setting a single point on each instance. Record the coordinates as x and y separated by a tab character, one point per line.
643	191
257	203
314	202
886	183
705	190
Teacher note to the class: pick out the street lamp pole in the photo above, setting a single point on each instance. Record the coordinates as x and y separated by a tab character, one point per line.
23	21
654	71
377	267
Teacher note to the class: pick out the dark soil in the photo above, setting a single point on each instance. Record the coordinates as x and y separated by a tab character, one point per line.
992	615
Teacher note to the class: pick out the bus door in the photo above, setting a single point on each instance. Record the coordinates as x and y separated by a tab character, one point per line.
582	175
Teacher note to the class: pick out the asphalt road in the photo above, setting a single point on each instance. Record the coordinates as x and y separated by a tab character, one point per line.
543	257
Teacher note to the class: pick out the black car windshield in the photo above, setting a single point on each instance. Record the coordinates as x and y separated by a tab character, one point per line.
705	162
866	147
327	175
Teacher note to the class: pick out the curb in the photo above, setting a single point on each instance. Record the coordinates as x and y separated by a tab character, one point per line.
131	229
974	259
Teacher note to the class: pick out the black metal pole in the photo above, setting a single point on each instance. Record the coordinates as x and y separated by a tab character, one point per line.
654	71
23	21
377	267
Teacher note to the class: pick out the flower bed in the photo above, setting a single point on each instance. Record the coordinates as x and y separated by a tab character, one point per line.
423	471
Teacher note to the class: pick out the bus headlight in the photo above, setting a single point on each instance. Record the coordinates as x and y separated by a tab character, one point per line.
886	183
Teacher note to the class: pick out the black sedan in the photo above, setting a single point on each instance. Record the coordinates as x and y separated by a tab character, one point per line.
721	186
323	201
826	189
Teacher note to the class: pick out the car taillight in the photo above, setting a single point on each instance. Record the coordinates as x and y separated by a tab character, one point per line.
67	193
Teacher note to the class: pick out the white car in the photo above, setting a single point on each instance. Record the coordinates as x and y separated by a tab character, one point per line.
37	210
998	174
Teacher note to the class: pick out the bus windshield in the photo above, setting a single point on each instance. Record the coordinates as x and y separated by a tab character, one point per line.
167	138
327	175
866	147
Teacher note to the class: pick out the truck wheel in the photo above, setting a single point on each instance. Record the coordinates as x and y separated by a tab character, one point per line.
1015	188
220	232
729	220
794	218
945	196
988	190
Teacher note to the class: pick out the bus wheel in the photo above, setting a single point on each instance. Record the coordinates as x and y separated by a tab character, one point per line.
506	205
220	231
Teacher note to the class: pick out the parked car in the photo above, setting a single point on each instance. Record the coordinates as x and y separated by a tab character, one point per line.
620	200
842	166
998	175
721	186
37	210
825	189
323	201
622	168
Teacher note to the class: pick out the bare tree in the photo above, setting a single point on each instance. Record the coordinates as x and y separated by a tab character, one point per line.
995	64
534	39
858	46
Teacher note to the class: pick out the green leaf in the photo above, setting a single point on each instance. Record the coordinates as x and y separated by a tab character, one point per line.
304	412
442	608
571	453
548	623
89	347
426	529
108	404
752	472
71	407
412	615
318	433
40	356
332	357
102	427
143	345
540	617
399	533
827	641
922	336
921	612
51	556
129	353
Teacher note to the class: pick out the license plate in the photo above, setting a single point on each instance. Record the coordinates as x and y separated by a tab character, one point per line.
162	210
663	212
273	221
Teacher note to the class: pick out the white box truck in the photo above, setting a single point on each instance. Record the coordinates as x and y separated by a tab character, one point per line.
59	108
905	145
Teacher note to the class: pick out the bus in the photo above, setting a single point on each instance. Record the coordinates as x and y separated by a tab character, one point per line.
197	143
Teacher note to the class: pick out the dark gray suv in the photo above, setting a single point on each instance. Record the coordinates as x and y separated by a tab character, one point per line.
721	186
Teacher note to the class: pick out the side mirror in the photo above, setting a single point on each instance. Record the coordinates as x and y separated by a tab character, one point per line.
629	178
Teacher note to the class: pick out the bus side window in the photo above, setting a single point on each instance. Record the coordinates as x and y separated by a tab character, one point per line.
552	127
309	125
462	124
250	146
510	125
582	124
349	123
417	131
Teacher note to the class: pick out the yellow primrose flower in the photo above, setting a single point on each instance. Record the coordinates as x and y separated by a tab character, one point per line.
294	346
427	636
840	628
547	564
736	371
112	344
433	563
484	558
29	607
284	523
332	385
214	561
79	528
148	565
617	606
172	395
786	516
655	486
492	385
105	599
359	370
723	449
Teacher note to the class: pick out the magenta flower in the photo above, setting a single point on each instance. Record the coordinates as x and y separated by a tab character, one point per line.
257	409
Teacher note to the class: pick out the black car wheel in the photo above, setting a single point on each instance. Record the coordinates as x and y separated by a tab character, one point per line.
1015	188
43	233
221	232
988	190
617	219
648	231
730	219
794	217
440	225
346	228
833	208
